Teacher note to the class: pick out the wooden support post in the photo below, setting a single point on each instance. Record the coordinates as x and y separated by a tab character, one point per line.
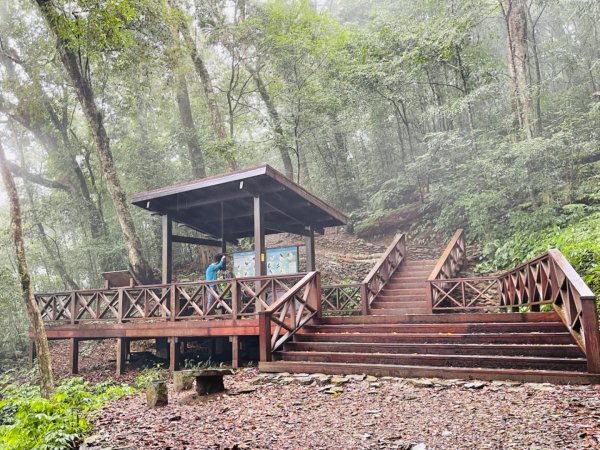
310	250
235	351
316	294
223	241
162	348
264	337
429	304
122	352
260	255
590	334
167	249
74	356
174	354
364	300
32	352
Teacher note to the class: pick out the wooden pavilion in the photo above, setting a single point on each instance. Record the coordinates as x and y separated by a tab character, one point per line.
409	317
247	203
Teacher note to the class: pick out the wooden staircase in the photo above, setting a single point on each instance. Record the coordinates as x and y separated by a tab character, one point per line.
534	347
405	292
420	320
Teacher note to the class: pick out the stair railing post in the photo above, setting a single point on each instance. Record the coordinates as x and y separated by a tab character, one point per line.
364	301
430	297
264	336
590	334
317	294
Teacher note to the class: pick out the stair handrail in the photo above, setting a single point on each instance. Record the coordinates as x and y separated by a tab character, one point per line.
383	270
551	275
290	312
448	264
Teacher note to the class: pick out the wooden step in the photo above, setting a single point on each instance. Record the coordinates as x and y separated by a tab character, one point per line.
557	351
412	272
446	318
467	373
400	299
448	338
399	283
494	361
403	292
490	327
398	311
427	262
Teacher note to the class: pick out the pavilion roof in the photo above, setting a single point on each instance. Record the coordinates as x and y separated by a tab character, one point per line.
202	204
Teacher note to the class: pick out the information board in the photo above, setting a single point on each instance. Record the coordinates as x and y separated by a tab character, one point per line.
280	261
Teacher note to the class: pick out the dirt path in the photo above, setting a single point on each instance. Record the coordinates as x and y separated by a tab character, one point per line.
305	413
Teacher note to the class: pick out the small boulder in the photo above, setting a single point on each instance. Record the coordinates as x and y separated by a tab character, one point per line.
183	380
157	394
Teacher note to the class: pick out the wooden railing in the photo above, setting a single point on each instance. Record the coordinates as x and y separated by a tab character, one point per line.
341	299
232	298
378	277
288	314
448	266
548	279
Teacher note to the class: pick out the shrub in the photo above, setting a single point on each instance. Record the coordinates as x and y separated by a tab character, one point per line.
28	421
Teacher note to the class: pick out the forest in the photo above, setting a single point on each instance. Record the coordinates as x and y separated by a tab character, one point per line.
421	116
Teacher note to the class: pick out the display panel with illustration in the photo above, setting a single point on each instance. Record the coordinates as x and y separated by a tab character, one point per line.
280	261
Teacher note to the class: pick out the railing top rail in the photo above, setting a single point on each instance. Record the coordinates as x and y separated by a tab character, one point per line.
561	261
582	288
383	258
523	265
457	280
442	260
292	291
178	283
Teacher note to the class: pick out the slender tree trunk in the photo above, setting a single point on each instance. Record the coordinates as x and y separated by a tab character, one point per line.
37	324
537	84
28	115
85	95
189	127
55	259
518	63
275	123
216	118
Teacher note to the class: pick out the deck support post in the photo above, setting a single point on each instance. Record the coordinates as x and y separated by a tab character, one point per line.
174	354
122	352
167	249
309	242
162	348
260	255
74	355
32	351
235	351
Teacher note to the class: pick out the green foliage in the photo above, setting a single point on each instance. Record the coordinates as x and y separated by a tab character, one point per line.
149	374
577	237
199	364
28	421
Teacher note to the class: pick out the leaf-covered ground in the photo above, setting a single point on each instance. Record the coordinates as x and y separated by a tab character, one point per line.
291	412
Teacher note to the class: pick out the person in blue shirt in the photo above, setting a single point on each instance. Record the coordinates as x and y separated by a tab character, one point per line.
212	272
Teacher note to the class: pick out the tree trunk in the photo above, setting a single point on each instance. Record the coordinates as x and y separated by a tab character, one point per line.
85	95
216	117
537	85
28	115
189	127
275	123
518	64
37	324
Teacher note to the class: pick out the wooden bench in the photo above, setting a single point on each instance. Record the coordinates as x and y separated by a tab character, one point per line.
208	381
